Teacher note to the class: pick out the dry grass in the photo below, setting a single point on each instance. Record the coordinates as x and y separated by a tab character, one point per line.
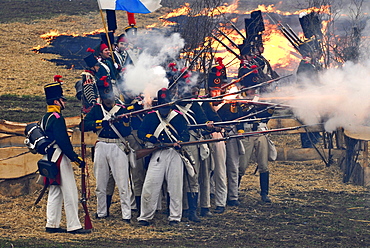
292	184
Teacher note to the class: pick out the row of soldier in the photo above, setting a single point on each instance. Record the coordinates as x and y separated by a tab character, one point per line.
187	189
187	174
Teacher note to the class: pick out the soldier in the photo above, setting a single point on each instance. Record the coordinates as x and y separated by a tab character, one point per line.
111	150
217	77
228	112
137	171
257	144
63	188
163	126
90	94
266	72
207	165
126	48
308	68
108	67
193	113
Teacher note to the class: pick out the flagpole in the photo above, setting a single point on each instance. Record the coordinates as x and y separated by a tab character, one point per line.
106	33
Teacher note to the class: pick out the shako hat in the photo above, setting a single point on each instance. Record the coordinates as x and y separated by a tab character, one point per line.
54	91
91	60
164	96
217	76
131	31
251	79
104	87
121	38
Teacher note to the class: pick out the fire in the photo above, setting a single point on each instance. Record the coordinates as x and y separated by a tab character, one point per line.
152	26
184	10
48	37
233	89
98	31
278	49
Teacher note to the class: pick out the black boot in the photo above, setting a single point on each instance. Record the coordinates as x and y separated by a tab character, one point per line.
138	204
239	180
204	212
168	201
264	184
193	205
109	202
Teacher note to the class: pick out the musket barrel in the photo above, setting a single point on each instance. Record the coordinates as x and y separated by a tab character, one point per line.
147	151
227	48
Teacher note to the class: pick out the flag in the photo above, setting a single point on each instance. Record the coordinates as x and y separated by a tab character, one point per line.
133	6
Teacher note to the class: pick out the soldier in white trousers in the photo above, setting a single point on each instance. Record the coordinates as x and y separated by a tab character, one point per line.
163	126
111	150
63	188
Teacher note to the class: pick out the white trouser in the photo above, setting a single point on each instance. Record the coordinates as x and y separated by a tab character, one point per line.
232	167
65	192
259	145
205	183
165	164
111	156
191	183
219	174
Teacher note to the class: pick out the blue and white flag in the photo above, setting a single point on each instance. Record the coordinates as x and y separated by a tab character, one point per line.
132	6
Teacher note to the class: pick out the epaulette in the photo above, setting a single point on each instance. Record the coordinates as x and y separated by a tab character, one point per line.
56	115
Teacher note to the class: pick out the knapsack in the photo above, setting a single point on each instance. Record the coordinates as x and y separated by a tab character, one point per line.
36	139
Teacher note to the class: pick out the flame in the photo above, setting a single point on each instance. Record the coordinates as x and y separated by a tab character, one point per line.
152	26
50	36
183	10
278	50
233	89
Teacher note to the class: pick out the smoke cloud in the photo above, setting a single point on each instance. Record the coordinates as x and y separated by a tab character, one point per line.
148	74
339	97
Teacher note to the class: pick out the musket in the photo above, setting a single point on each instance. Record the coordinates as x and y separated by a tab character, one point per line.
291	36
146	151
228	38
241	78
232	25
237	121
87	223
252	87
42	192
227	48
294	34
141	111
258	112
190	65
252	102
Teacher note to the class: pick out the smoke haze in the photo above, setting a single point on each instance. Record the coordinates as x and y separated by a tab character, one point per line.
148	74
340	97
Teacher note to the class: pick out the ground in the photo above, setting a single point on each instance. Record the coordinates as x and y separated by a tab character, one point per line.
310	204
